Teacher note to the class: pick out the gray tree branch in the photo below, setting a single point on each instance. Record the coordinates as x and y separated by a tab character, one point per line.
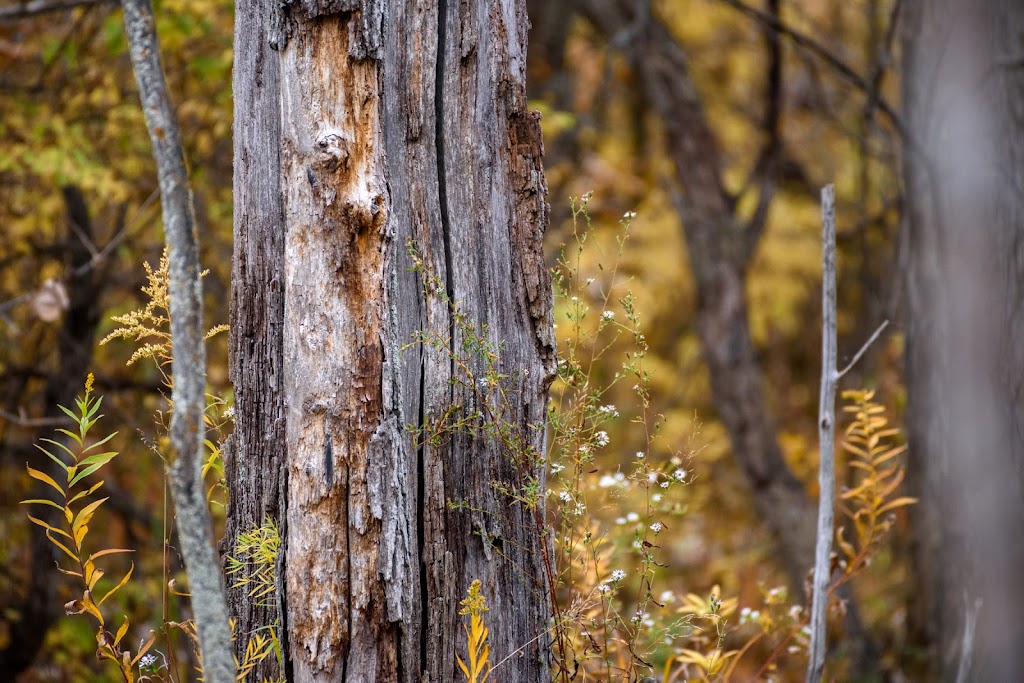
195	528
826	432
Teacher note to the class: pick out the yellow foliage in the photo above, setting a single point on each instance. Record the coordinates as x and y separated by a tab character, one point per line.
479	668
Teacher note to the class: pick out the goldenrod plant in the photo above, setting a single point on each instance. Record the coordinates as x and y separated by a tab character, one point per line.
148	326
871	503
478	670
79	456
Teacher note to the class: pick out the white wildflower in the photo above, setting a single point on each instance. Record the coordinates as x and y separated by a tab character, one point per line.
618	575
657	527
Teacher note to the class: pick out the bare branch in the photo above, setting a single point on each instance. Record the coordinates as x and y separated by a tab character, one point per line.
868	343
195	528
37	7
811	45
826	432
23	421
767	167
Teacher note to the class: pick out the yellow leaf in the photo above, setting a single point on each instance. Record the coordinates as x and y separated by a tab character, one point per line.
121	631
46	526
119	585
45	478
897	503
86	513
145	648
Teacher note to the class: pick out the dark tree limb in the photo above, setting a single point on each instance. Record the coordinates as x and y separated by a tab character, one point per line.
40	605
838	64
37	7
195	527
720	247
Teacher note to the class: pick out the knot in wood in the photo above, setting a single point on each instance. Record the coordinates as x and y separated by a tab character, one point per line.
333	150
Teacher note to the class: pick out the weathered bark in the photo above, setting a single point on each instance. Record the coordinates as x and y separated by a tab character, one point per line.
964	95
397	123
185	462
826	438
256	455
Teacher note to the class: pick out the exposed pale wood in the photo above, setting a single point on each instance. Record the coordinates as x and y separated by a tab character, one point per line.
192	512
399	122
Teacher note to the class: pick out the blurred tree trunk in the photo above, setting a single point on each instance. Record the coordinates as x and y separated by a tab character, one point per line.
361	127
963	87
720	246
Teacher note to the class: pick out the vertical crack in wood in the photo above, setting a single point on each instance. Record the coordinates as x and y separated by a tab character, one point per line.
442	173
421	514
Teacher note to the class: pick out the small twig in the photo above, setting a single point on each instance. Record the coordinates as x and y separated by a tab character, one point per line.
856	356
966	649
826	431
837	63
195	527
32	9
22	421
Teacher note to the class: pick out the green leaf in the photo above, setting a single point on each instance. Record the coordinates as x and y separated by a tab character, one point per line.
89	470
102	441
51	456
67	450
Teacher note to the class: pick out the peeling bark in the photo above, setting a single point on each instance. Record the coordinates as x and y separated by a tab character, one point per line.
396	123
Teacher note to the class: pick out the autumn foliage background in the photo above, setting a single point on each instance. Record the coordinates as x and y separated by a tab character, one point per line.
78	206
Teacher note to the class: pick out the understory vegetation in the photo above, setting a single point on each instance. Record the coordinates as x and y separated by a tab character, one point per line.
611	519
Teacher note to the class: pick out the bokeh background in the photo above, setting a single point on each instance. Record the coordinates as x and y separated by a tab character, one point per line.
715	128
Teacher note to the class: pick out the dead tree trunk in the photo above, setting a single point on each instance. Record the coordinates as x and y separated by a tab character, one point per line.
963	87
361	127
